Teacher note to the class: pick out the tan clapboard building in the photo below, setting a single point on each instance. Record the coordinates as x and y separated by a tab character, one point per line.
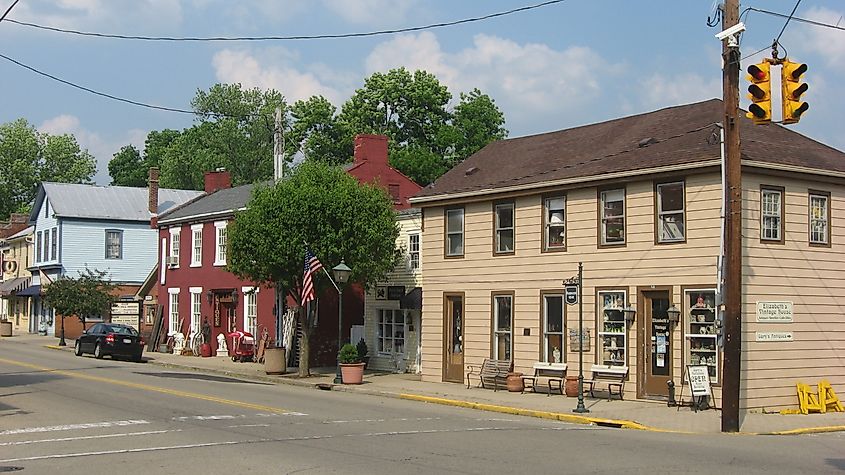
638	201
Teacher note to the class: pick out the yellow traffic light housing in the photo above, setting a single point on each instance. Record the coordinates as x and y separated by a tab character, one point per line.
791	91
760	93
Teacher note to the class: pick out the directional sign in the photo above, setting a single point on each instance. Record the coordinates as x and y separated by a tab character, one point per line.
571	294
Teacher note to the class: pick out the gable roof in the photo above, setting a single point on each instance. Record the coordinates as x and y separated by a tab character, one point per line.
684	135
223	202
121	203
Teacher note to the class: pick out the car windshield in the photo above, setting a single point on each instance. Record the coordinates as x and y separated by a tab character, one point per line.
122	331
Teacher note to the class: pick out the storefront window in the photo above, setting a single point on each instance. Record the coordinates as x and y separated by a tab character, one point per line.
391	332
702	346
503	326
553	328
613	333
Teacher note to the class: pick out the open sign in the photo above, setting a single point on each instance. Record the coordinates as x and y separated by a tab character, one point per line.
571	294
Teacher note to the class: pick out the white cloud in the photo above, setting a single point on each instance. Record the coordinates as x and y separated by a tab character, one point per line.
275	71
822	42
663	91
116	16
103	149
372	12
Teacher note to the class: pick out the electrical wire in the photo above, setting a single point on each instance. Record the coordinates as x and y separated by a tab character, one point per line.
9	9
787	20
798	19
293	37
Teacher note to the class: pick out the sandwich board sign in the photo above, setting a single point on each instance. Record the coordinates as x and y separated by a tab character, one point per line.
699	380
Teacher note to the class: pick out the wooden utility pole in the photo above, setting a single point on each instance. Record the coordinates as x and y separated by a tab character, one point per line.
278	146
732	317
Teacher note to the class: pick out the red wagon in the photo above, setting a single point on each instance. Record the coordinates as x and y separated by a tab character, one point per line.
242	347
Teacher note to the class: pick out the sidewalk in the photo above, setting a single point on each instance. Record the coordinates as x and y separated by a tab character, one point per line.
639	414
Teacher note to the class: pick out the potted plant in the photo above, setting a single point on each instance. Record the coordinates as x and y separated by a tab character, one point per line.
351	367
362	352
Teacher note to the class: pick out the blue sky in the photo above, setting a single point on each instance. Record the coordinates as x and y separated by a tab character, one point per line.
560	66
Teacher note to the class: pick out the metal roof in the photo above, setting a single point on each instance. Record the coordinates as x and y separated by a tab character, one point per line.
25	232
108	202
220	203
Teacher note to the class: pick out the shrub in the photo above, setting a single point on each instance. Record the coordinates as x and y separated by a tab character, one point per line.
348	354
362	348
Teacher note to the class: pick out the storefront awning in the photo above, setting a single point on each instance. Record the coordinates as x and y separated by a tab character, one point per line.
412	300
31	291
12	286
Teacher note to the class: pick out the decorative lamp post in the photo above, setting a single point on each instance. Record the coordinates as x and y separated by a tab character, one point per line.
674	314
341	276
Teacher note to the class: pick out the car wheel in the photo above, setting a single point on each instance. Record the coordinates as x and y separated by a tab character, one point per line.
77	349
137	358
98	352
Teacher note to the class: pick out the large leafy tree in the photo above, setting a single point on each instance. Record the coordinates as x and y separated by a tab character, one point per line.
129	167
322	206
87	295
28	157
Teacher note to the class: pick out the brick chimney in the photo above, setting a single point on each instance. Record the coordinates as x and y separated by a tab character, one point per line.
370	148
219	179
153	197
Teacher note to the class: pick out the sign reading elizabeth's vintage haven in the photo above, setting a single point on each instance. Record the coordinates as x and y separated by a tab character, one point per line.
774	312
773	336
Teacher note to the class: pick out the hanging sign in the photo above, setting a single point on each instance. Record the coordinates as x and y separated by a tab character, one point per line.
571	294
699	380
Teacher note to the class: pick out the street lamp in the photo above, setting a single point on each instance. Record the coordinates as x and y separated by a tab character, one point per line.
341	276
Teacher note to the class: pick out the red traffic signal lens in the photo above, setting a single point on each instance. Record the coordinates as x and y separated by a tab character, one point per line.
756	72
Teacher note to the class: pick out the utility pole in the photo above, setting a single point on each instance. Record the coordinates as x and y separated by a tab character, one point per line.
278	146
732	317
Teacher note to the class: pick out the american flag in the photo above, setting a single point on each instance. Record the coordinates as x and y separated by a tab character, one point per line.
312	266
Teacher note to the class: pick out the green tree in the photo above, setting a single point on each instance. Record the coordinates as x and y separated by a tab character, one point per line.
477	121
85	296
28	157
126	168
325	207
316	132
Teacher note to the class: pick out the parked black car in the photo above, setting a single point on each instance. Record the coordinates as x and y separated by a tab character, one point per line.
110	339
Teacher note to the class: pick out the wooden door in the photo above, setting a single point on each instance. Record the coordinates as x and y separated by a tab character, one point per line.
656	344
453	344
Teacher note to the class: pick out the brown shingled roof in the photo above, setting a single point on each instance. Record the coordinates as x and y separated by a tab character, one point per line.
673	136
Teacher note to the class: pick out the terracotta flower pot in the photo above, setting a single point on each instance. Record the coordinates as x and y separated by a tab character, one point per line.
514	382
352	373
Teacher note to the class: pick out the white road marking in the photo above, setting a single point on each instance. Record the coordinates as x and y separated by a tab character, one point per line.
224	417
88	425
205	418
105	436
404	419
249	425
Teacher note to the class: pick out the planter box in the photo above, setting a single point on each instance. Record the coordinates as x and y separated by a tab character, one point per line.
5	328
352	373
275	360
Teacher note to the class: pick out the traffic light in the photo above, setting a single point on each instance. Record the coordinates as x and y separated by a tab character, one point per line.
760	93
791	91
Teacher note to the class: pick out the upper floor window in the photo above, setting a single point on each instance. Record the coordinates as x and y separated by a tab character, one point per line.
504	226
174	246
670	212
38	246
554	216
771	214
819	218
414	251
502	326
46	209
220	240
196	245
612	214
114	244
46	245
54	244
455	232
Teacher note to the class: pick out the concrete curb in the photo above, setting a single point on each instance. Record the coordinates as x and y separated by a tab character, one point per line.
559	416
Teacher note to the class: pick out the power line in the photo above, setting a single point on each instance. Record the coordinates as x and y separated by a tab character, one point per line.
9	9
293	37
795	18
787	20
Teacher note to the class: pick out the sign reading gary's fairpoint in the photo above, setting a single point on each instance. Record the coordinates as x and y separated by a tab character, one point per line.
774	312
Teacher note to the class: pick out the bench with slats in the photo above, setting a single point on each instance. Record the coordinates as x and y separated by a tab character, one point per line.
491	374
611	376
552	374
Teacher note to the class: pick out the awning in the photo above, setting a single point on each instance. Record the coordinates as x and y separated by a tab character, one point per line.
10	287
412	300
31	291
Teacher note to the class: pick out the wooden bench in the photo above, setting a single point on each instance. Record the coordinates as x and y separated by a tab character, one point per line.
553	374
490	374
612	376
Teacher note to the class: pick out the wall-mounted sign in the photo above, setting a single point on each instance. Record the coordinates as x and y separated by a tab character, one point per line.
773	336
699	380
575	345
381	292
774	312
395	292
126	308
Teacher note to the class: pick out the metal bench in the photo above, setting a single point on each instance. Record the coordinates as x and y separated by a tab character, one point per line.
612	376
553	374
490	374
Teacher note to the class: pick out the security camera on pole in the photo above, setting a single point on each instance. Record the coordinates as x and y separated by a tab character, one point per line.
572	295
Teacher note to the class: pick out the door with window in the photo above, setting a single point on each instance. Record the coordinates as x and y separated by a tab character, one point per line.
453	346
655	333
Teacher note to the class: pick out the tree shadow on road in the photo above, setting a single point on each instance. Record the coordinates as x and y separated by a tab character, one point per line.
202	377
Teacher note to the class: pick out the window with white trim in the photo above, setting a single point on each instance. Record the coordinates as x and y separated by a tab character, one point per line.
670	212
771	217
196	245
504	225
390	335
173	312
196	309
613	217
174	245
38	246
46	245
819	218
54	244
455	232
220	243
555	225
553	341
251	310
502	327
414	251
114	244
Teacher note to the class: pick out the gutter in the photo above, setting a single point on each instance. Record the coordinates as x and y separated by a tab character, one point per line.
213	214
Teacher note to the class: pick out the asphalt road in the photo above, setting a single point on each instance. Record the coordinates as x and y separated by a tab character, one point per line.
62	413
